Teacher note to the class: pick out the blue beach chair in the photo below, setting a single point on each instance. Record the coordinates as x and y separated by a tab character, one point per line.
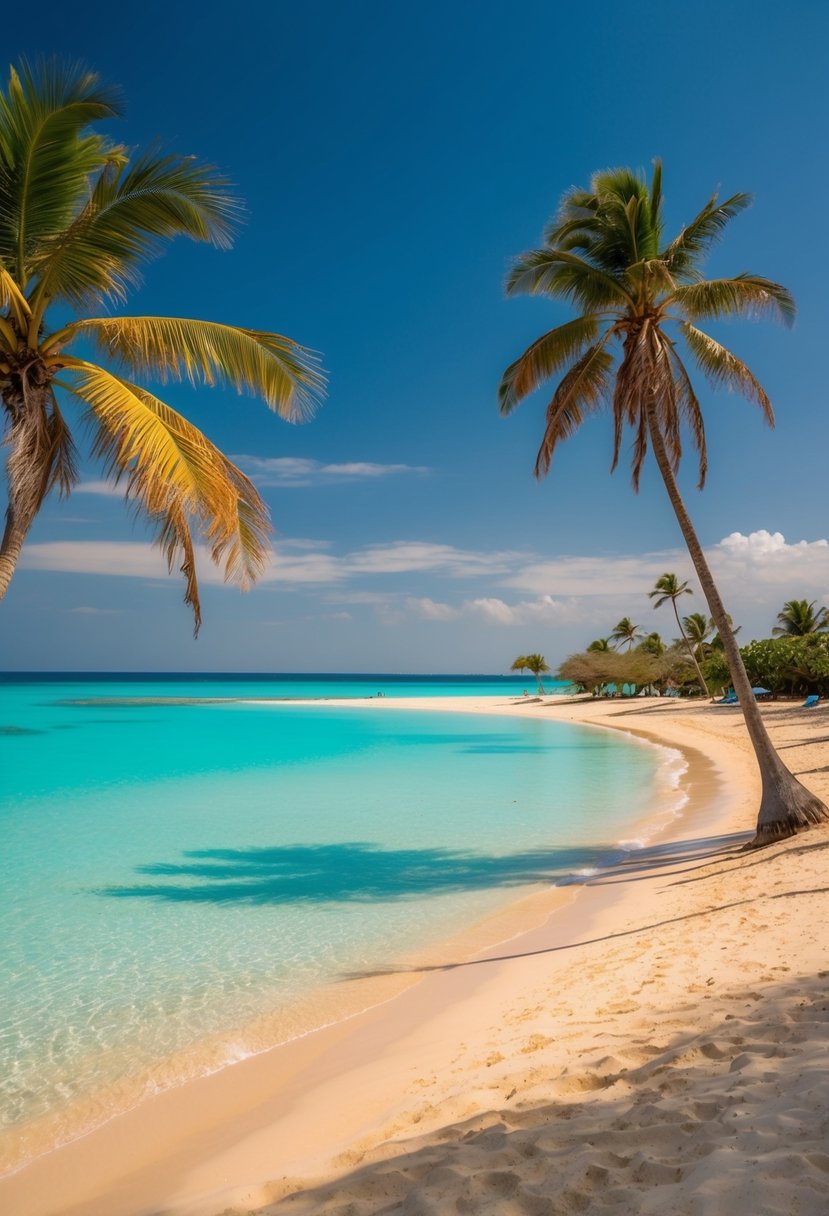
730	698
811	702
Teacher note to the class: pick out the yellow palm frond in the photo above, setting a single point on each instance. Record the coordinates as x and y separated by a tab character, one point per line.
174	473
12	297
287	376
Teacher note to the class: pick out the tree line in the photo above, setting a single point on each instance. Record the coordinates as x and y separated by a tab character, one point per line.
793	662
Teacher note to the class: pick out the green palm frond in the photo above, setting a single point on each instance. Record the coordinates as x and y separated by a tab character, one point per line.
544	358
45	157
723	369
285	374
173	471
553	272
133	210
706	227
581	392
746	295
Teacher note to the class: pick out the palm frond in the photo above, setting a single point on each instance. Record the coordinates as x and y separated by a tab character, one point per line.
132	212
173	472
581	392
562	275
747	295
703	230
12	297
284	374
544	358
691	412
723	369
45	158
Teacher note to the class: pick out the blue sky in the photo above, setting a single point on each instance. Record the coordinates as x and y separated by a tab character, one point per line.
393	159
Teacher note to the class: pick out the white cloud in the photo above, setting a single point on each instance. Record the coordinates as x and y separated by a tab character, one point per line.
106	489
767	558
132	559
300	471
432	610
404	557
85	610
756	572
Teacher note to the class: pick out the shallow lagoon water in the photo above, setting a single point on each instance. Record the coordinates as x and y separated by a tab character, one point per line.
172	873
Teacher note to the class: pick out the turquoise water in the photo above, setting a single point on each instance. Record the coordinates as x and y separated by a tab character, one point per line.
178	875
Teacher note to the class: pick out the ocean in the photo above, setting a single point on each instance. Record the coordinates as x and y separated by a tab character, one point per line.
183	868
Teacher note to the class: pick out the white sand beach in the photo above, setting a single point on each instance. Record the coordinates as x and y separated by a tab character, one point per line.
653	1041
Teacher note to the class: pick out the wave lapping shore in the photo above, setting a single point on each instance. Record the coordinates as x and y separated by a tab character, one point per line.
658	1045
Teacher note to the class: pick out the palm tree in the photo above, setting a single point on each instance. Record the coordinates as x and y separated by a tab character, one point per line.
534	663
600	646
653	644
668	587
698	629
78	217
637	293
626	633
799	618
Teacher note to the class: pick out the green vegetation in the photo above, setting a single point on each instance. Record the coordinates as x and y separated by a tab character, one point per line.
799	618
79	216
637	294
534	663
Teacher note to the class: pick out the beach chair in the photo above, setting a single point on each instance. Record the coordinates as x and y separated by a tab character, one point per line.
730	698
811	702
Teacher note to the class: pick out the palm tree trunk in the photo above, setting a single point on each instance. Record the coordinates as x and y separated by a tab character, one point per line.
786	806
13	538
690	648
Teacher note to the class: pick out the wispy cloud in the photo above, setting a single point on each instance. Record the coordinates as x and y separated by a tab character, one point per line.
496	611
105	489
758	570
290	471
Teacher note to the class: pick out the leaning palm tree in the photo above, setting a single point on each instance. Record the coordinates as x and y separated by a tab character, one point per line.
626	633
668	587
799	618
78	217
640	295
534	663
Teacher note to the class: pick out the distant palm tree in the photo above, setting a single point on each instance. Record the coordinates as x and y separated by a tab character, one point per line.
799	618
534	663
668	587
698	629
605	252
653	644
78	217
600	646
626	633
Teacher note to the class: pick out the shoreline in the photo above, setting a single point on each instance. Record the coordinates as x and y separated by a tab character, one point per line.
207	1143
341	999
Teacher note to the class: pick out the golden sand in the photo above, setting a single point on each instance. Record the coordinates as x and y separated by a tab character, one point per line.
656	1045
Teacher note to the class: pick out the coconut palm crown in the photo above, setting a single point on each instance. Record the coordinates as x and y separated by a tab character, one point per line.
626	633
79	216
640	297
800	618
